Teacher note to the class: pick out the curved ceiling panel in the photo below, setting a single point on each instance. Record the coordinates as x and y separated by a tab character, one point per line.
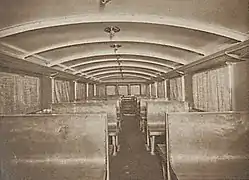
109	52
125	68
156	36
230	14
42	39
148	19
122	60
119	41
100	74
93	66
135	57
124	77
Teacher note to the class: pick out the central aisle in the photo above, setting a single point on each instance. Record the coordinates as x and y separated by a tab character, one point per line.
133	162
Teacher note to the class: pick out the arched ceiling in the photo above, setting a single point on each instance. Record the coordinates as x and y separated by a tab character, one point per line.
155	36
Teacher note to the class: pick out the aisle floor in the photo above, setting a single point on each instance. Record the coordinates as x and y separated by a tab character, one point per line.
134	162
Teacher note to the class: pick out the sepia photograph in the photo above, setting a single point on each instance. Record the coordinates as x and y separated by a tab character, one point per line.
124	89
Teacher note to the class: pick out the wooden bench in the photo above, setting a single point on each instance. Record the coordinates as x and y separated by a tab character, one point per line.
207	145
109	108
54	147
156	118
143	112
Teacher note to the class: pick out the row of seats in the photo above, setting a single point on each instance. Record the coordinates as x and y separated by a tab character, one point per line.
54	146
196	145
68	141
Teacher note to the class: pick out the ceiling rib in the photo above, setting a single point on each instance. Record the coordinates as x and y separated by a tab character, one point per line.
85	56
122	60
100	70
115	76
151	68
127	18
123	40
127	71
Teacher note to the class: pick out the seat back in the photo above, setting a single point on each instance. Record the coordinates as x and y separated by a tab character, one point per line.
54	147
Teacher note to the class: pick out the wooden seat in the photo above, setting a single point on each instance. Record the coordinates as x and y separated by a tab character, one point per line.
208	145
54	147
156	118
106	107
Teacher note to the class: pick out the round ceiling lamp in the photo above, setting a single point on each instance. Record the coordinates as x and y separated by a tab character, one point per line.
112	30
115	47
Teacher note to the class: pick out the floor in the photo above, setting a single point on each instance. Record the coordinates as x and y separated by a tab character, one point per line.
134	162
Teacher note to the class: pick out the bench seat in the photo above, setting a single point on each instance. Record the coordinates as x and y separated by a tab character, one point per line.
54	147
208	145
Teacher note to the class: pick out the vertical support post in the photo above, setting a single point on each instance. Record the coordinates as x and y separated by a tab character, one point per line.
87	90
94	90
140	89
165	89
231	75
97	89
183	88
150	90
75	90
156	88
45	92
53	89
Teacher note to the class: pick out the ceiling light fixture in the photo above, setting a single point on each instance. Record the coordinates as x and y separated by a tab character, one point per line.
115	47
112	30
104	2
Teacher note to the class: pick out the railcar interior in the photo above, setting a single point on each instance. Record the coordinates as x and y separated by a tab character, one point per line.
124	90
